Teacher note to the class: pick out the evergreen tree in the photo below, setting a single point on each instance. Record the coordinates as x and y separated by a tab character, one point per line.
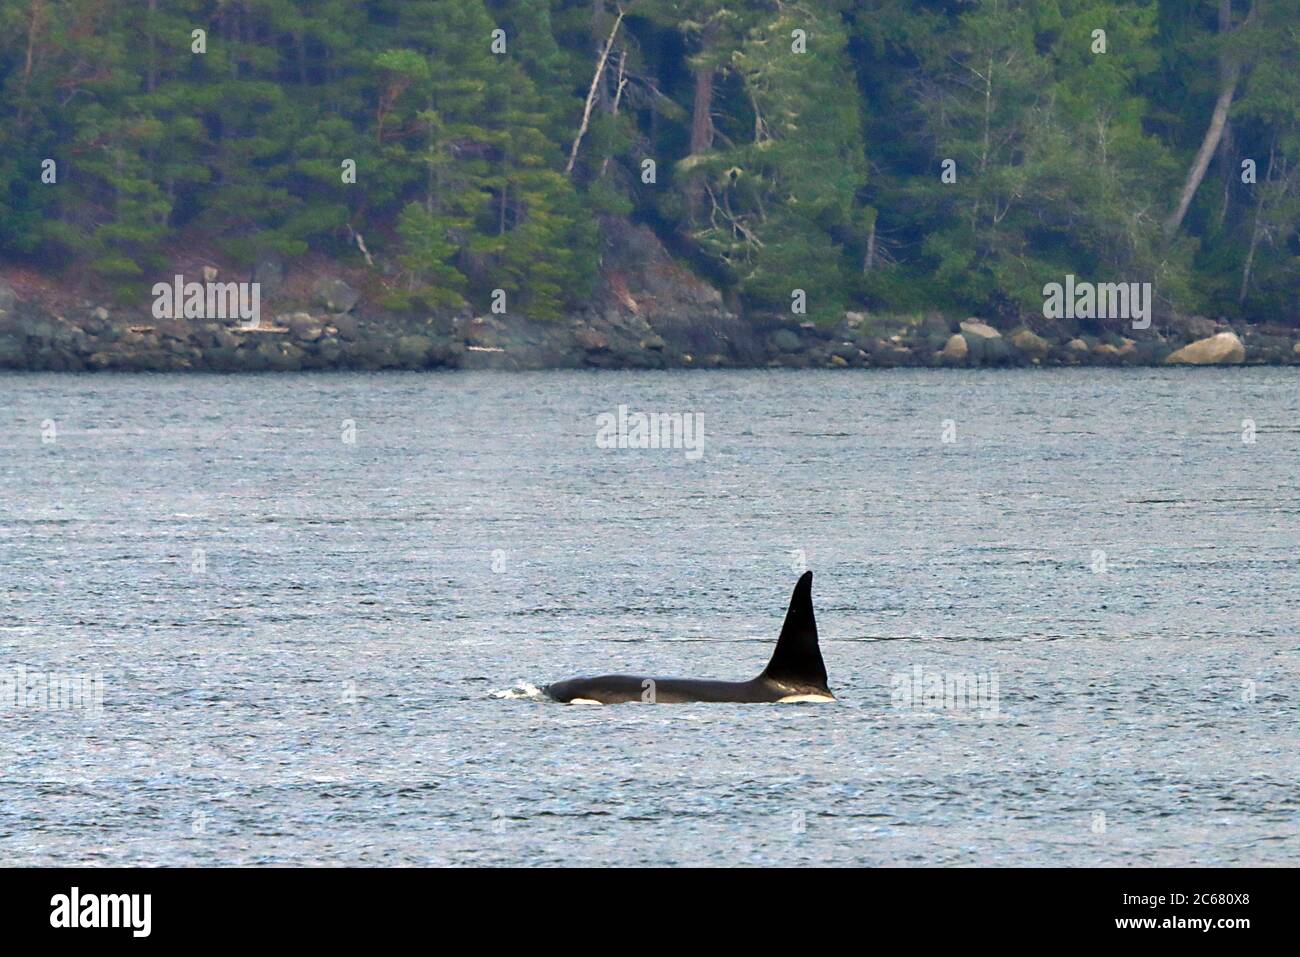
1127	163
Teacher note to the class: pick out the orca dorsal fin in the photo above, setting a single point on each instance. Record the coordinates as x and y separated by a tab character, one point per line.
797	660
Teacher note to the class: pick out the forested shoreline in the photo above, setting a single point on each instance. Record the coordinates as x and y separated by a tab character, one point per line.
457	159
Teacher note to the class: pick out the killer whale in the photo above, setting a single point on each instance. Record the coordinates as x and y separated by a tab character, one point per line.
796	672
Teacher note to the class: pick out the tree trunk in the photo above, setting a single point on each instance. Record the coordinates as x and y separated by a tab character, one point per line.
151	82
701	136
591	95
33	28
1229	76
1256	227
702	117
618	97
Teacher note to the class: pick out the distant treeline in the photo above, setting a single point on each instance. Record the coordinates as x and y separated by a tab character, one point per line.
900	154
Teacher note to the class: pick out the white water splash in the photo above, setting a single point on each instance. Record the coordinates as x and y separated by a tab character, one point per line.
521	691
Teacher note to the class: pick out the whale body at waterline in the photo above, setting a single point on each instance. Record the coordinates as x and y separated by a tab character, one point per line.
795	673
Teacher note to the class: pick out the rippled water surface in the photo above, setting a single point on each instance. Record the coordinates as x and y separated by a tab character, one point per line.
317	604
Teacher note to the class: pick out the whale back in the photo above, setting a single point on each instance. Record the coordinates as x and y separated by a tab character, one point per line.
797	660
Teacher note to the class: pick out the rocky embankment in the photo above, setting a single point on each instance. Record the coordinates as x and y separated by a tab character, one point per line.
648	312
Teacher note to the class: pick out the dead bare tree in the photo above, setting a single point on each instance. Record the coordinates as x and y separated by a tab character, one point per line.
1229	77
591	94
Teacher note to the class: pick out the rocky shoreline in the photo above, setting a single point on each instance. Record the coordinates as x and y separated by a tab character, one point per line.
648	312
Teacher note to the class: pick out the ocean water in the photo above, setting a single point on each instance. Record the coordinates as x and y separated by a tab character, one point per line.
304	618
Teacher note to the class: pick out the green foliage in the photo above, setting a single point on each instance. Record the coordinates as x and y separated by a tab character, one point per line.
776	169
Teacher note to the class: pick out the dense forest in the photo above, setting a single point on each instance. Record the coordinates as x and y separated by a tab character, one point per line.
894	154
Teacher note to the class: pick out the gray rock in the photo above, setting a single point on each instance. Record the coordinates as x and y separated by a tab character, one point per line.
936	324
997	352
12	352
334	294
348	327
1198	327
269	274
280	355
329	349
786	340
304	326
224	359
37	328
414	351
1149	352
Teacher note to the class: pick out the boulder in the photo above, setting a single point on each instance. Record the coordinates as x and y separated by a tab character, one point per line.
1198	327
8	298
36	327
329	349
1077	345
981	330
590	339
280	355
786	340
334	294
1222	349
1266	347
1149	352
414	350
12	352
269	275
936	324
303	326
1030	343
996	352
956	349
347	326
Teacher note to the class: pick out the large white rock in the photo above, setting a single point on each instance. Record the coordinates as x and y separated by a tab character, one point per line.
955	349
1030	343
981	329
1223	349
